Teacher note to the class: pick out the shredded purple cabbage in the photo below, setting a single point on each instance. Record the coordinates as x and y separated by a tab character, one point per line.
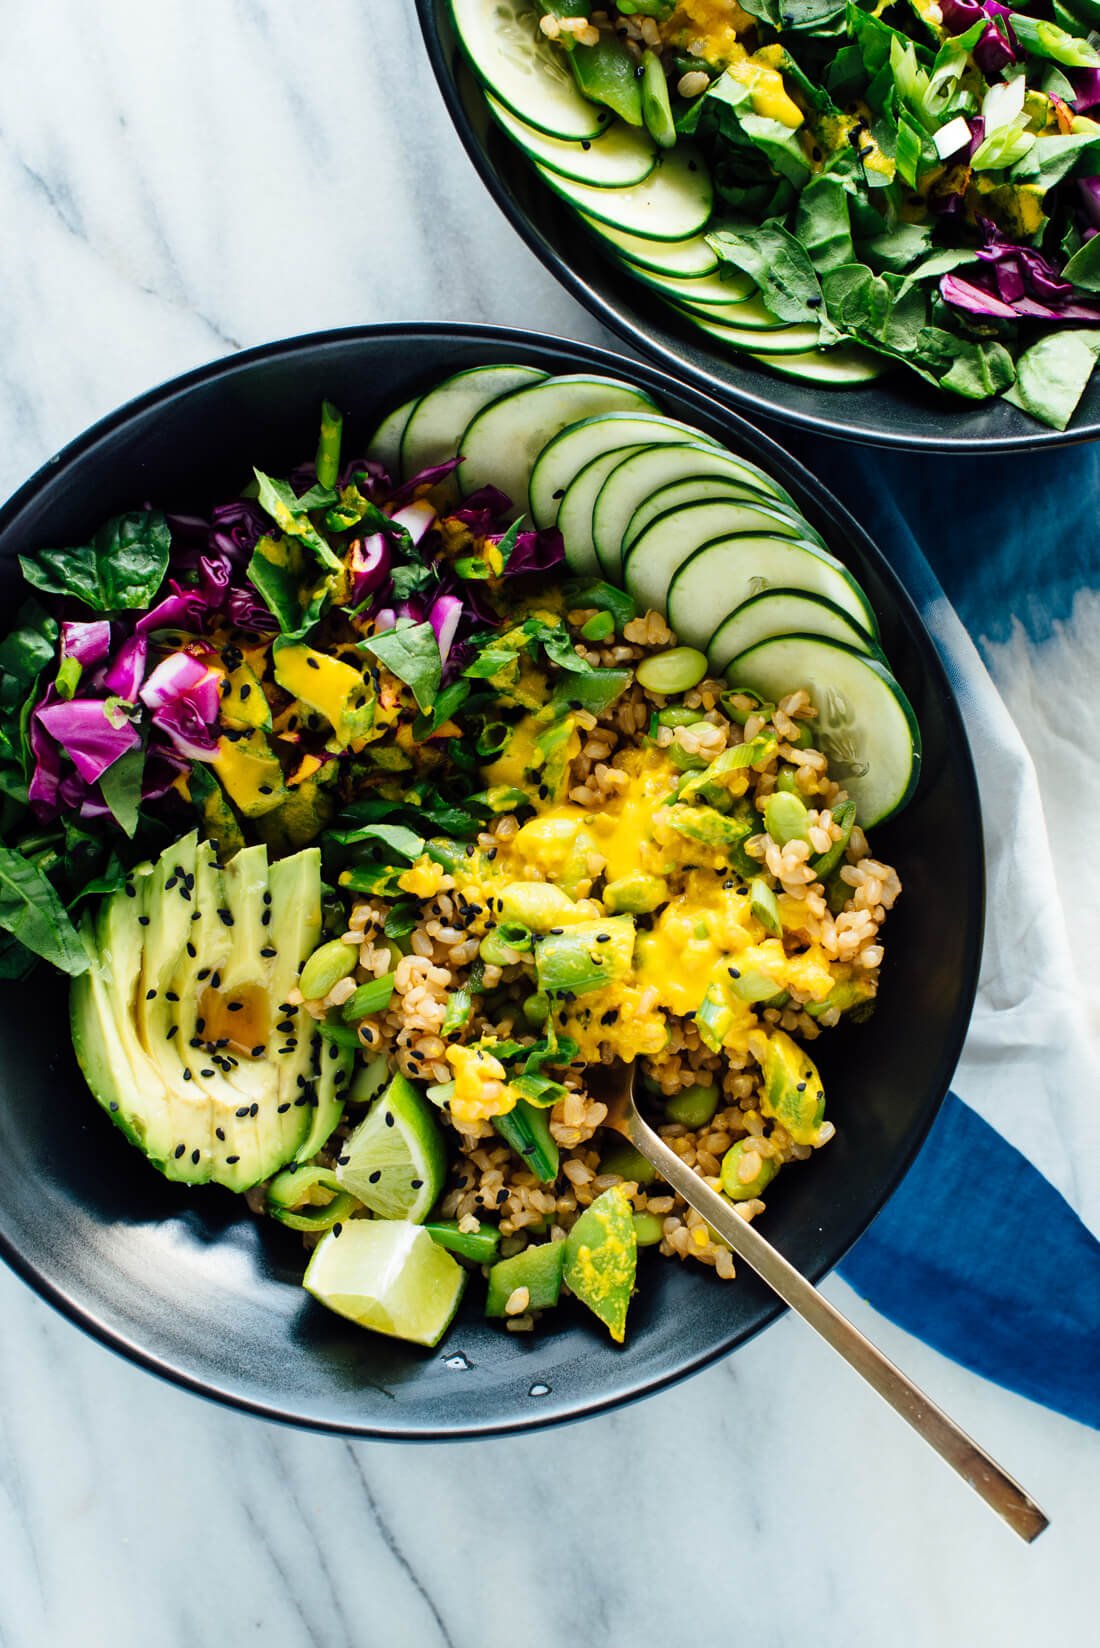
996	46
91	737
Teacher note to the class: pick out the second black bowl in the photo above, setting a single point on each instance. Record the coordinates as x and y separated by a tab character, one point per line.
895	410
186	1282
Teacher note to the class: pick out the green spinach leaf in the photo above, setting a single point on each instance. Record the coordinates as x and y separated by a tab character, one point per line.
120	570
32	912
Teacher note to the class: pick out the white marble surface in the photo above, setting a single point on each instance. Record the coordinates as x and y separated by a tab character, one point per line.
179	179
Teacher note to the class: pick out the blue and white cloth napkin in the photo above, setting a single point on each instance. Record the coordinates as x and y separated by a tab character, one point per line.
990	1249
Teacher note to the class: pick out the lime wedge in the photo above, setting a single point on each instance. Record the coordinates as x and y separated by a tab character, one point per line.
395	1162
387	1275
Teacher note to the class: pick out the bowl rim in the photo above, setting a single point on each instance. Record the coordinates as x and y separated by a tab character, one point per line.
745	398
617	1391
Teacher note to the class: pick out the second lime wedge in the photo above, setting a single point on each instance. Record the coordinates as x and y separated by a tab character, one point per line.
387	1275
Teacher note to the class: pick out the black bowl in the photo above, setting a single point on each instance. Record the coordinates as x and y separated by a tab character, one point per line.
897	410
188	1284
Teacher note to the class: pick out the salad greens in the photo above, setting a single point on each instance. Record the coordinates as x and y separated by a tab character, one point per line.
920	178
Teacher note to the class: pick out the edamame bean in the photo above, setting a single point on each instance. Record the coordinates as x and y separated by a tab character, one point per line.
628	1163
648	1229
677	670
326	967
786	818
693	1106
745	1173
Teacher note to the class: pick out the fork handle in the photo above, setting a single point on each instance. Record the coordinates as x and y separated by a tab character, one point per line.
972	1463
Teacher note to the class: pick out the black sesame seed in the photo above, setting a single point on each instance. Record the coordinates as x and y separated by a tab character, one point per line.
206	1074
131	890
149	994
231	1160
375	1176
265	919
254	1110
220	1133
337	1228
285	1025
113	1106
282	1109
234	1006
191	951
389	1118
417	1184
179	1150
603	938
170	995
203	973
265	789
556	932
342	1161
143	921
172	1032
733	973
215	981
268	953
257	1051
267	898
226	916
312	662
195	1157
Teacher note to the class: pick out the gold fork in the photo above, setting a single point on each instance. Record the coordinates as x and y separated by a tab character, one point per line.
615	1087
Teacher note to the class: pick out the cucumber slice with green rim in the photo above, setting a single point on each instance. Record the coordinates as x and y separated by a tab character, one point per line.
439	418
617	159
574	518
836	368
503	44
865	724
700	489
721	576
569	451
760	332
680	258
638	476
668	543
713	291
673	202
750	315
783	612
501	442
384	446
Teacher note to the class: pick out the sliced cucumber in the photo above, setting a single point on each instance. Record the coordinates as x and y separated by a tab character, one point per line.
836	368
439	418
761	333
384	446
569	451
711	291
510	55
574	520
723	575
865	725
700	490
617	159
674	201
783	612
668	543
501	442
677	258
632	481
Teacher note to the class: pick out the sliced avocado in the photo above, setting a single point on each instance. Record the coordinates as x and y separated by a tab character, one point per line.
586	956
249	770
301	815
189	966
710	827
559	744
243	703
793	1095
115	1064
601	1258
847	996
220	822
336	690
